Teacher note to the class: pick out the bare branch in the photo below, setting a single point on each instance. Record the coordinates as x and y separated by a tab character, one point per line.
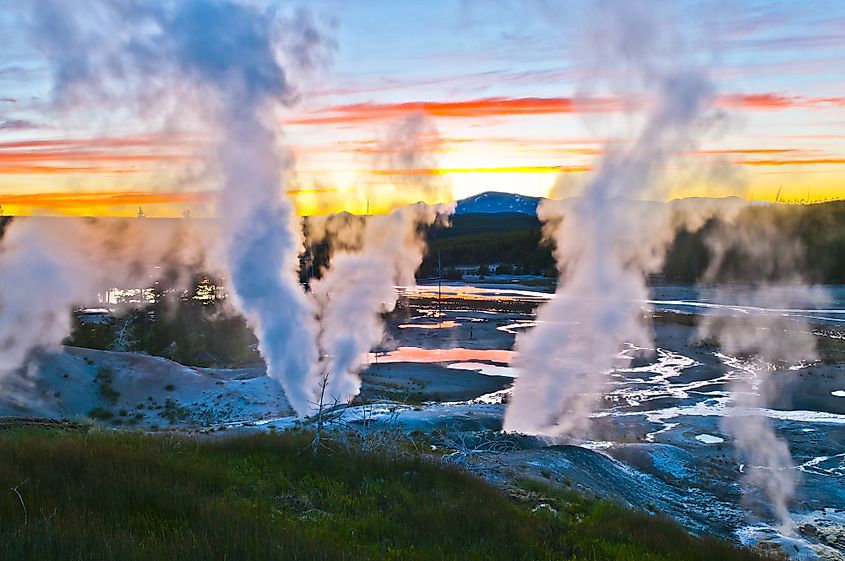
20	498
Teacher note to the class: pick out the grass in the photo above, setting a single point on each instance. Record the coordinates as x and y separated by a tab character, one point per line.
112	495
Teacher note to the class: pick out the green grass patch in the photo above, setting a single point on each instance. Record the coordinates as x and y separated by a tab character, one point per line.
126	496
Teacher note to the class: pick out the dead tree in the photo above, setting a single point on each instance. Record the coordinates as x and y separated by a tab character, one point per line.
467	447
318	433
20	498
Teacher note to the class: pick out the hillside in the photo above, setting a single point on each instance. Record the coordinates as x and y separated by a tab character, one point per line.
121	496
515	240
511	238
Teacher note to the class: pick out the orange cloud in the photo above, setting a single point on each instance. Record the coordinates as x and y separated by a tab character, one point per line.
503	169
96	155
506	107
529	141
773	101
787	162
73	202
475	108
376	146
15	169
136	141
757	101
295	192
58	201
742	151
42	156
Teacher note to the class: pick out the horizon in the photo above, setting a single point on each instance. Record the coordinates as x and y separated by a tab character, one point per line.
140	213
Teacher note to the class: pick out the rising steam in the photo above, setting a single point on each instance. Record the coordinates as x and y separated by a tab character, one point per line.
607	244
360	286
764	343
409	148
213	65
378	254
38	287
49	265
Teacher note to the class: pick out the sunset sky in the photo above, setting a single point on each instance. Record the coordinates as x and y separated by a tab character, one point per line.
512	111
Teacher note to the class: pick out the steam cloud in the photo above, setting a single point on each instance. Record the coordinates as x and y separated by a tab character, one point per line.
38	287
411	145
360	286
764	343
379	253
49	265
214	63
606	243
218	65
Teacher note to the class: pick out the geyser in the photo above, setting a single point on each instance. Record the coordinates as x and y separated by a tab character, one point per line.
767	345
608	242
48	265
379	253
214	65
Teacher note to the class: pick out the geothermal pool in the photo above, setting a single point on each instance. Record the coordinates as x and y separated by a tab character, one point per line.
670	298
662	414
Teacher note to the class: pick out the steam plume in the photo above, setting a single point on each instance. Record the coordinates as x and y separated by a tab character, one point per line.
38	287
360	286
379	253
216	63
411	144
765	342
48	265
606	243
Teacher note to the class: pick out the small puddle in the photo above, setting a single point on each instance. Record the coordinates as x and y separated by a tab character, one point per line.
442	325
486	369
458	354
514	328
709	439
469	292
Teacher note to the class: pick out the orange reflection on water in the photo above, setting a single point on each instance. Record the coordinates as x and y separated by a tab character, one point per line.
468	292
442	325
417	354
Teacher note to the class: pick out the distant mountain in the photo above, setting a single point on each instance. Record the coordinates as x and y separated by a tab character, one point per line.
494	202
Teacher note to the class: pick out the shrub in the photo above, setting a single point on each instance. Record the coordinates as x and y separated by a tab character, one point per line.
100	414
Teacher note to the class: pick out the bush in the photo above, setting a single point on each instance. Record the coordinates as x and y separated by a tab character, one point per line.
104	379
174	412
100	414
453	274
